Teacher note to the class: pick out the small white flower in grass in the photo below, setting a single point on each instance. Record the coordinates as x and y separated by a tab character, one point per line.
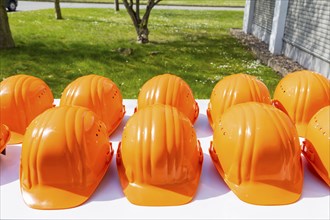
222	66
217	77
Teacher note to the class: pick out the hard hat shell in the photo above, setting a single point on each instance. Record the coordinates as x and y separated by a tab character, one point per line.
99	94
256	151
316	147
303	93
65	154
4	136
22	98
235	89
159	160
169	89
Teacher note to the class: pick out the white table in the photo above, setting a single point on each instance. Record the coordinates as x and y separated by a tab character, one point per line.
213	198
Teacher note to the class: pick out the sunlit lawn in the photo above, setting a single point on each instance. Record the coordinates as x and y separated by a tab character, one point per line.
195	45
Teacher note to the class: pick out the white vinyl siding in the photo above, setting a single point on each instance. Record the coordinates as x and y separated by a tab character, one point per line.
308	27
263	19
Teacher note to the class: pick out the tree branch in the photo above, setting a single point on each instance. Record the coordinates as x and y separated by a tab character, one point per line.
150	5
137	9
132	13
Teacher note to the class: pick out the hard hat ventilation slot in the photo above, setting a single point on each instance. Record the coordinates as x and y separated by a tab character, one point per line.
222	129
115	94
98	130
319	127
42	93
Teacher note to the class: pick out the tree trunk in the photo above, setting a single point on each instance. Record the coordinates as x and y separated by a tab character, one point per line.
58	13
141	25
116	2
142	34
6	40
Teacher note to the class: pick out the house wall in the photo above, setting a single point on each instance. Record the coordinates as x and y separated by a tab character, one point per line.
306	25
307	34
263	19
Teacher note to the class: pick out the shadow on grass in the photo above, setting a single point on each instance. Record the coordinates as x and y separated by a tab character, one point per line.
202	49
195	60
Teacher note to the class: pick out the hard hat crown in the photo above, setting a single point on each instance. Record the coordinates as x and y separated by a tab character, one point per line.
172	90
235	89
316	147
256	150
303	93
65	154
23	97
100	95
159	153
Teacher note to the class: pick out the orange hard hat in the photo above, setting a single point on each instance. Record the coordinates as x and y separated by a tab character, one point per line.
100	95
302	94
65	154
256	151
22	98
171	90
4	137
316	147
235	89
159	160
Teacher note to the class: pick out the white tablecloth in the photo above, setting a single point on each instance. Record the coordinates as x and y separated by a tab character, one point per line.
213	198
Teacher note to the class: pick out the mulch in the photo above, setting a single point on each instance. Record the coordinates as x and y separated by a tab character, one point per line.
279	63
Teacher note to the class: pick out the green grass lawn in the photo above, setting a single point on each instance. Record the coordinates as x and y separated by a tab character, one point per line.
173	2
194	45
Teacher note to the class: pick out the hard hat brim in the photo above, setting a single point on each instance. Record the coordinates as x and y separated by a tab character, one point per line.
49	197
152	195
15	138
260	193
117	123
148	195
314	160
6	139
209	116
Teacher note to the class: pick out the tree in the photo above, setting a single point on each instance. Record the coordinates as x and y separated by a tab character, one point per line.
141	25
116	4
6	40
58	13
